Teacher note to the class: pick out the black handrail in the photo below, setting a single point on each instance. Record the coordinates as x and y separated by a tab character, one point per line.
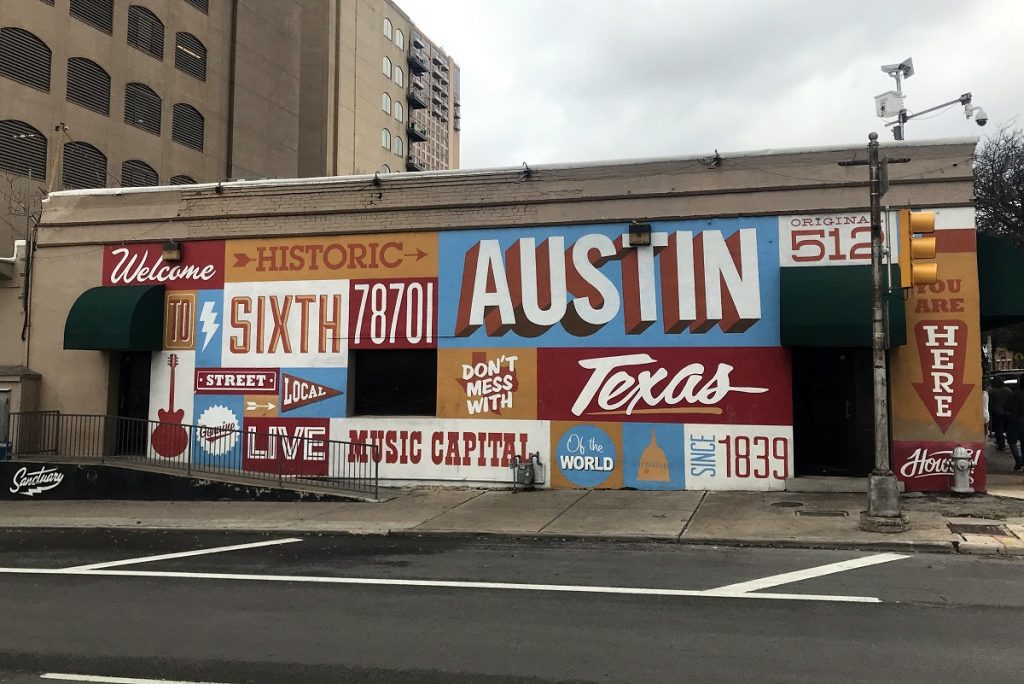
198	449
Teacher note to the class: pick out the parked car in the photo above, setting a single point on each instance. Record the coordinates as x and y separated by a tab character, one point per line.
1009	377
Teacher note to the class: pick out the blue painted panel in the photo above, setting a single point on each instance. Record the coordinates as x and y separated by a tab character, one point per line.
209	328
652	456
217	440
459	252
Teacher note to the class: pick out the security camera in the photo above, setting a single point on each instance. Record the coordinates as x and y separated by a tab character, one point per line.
980	117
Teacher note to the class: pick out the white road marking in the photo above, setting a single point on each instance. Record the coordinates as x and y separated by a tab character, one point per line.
182	554
441	584
742	588
112	680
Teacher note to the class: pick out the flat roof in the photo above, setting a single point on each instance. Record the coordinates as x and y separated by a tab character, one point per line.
490	171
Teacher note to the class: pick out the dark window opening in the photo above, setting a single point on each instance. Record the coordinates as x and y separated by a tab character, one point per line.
96	13
136	173
89	85
145	31
394	382
182	180
22	150
84	167
201	5
24	58
187	126
142	107
190	55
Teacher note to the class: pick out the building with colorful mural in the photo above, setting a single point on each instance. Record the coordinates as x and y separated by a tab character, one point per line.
662	324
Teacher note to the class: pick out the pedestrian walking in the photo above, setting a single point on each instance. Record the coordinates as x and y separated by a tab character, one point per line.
998	397
985	416
1015	423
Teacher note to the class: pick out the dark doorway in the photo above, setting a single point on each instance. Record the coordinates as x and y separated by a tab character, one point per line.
132	402
833	419
398	382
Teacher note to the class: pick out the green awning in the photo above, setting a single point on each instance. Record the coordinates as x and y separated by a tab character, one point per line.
1000	266
830	306
117	318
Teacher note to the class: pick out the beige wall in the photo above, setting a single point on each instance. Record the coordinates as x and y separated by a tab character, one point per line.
12	349
268	60
318	129
73	381
68	37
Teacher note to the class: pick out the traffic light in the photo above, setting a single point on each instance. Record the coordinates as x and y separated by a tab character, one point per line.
917	251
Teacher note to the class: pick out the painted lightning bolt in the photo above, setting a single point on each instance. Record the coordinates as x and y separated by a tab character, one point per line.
210	324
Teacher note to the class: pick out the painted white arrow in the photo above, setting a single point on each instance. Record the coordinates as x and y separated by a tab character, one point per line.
252	406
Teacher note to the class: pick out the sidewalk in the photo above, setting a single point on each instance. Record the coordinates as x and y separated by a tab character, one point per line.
988	524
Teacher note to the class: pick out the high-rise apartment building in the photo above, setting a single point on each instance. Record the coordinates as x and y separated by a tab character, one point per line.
391	101
118	93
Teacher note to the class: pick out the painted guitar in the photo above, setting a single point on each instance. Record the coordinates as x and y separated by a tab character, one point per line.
169	439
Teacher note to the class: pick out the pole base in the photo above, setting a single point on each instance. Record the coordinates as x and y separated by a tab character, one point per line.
884	512
884	524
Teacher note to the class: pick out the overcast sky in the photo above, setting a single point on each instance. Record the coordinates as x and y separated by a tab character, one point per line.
553	81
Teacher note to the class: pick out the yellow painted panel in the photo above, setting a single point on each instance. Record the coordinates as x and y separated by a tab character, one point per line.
487	383
393	255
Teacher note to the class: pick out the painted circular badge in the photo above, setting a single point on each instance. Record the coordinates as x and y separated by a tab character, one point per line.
218	430
586	455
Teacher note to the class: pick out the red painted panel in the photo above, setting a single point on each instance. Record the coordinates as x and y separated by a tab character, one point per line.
398	313
924	466
236	381
942	349
201	266
730	385
290	446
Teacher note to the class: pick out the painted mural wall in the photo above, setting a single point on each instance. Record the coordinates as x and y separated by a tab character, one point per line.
936	378
655	367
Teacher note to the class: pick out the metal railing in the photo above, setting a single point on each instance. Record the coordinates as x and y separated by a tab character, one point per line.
301	457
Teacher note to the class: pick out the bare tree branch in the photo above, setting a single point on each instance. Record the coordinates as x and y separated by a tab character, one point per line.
999	186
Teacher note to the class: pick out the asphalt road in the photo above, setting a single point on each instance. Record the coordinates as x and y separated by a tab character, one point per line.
378	609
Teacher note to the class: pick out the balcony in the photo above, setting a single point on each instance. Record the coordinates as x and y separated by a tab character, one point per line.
417	40
436	98
439	59
417	97
417	132
417	61
415	164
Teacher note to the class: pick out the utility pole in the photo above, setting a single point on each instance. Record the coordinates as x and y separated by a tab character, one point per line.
884	513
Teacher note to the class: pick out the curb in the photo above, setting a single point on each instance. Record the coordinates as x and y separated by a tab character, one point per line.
297	527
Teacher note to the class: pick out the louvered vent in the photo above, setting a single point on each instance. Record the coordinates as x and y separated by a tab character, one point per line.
138	174
96	13
24	58
182	180
187	126
22	149
190	55
201	5
89	85
145	31
142	107
84	166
